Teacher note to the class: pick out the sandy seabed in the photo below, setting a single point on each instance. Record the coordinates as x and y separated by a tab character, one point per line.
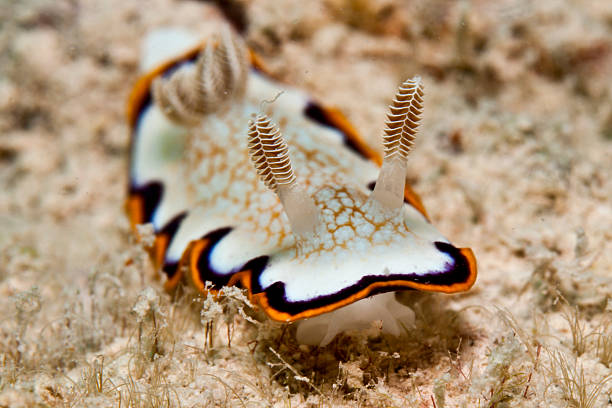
514	160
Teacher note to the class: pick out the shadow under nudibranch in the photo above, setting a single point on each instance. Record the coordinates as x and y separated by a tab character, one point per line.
365	358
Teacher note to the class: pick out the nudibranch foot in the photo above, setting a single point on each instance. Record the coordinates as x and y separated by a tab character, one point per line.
382	313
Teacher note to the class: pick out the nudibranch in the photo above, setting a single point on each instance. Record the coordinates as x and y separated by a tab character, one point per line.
313	223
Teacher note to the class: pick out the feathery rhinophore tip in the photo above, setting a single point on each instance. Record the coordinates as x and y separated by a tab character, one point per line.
269	154
403	119
219	75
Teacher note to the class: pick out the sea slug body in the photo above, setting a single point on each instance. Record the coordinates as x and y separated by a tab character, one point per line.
300	213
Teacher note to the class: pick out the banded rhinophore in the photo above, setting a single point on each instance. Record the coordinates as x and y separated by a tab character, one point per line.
302	214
